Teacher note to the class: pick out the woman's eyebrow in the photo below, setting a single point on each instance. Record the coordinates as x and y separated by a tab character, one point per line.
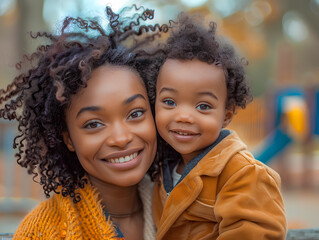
132	98
96	108
89	108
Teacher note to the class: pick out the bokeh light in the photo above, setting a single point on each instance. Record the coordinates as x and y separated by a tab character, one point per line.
257	12
5	5
314	6
194	3
228	7
294	27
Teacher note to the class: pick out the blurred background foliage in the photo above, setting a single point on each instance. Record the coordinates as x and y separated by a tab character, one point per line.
269	33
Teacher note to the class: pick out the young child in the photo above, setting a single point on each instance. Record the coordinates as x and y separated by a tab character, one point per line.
86	132
211	187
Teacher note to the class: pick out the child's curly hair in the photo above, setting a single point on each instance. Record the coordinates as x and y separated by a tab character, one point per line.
37	99
191	39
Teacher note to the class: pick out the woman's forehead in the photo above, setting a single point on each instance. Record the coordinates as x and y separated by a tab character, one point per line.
109	81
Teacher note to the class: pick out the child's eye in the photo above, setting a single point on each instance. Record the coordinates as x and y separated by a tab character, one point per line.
203	107
93	125
136	114
169	102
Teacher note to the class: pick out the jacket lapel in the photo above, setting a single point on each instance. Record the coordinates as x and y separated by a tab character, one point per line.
183	195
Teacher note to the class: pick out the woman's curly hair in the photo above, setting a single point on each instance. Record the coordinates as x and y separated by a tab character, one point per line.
38	97
191	39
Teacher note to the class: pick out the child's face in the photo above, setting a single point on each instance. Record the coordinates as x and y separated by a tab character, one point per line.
190	107
111	128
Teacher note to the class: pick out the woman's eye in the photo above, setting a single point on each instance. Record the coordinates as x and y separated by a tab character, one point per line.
203	107
136	114
92	125
169	102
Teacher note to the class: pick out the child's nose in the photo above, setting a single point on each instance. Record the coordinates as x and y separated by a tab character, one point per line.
119	136
184	115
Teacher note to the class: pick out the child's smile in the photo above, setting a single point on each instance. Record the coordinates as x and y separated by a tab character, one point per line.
184	135
190	106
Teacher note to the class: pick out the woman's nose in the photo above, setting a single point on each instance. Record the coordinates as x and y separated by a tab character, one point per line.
120	135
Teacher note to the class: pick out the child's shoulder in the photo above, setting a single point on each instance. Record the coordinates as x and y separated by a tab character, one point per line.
237	159
245	163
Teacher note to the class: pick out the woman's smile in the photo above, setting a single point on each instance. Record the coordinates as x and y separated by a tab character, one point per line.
122	159
112	134
124	162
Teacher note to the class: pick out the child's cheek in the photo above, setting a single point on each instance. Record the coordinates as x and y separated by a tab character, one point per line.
160	120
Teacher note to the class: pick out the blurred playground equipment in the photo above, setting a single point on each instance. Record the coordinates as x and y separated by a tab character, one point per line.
282	130
294	120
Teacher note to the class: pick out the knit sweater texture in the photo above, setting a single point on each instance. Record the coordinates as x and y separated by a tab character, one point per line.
60	218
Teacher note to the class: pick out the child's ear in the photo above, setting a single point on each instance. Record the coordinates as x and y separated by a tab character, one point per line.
67	140
229	113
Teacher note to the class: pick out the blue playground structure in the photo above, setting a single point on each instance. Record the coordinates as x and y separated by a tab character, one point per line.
296	118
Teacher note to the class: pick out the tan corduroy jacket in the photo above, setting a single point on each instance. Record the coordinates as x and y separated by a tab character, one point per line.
227	195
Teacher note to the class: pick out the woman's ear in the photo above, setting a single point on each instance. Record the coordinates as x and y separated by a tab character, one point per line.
229	113
67	140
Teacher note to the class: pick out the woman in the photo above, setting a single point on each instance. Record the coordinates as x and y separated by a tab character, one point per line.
86	132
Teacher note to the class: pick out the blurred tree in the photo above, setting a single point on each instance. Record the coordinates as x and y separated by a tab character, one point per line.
30	20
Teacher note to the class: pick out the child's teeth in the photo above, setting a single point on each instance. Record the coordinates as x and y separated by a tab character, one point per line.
181	133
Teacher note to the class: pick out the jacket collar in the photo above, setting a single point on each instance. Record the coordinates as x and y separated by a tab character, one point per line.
213	151
214	162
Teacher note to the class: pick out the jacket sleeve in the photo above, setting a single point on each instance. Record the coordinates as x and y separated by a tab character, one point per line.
250	206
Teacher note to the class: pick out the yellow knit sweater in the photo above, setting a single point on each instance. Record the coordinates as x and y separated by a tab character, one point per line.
60	218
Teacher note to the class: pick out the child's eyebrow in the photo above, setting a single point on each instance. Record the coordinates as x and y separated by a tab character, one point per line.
132	98
167	89
208	93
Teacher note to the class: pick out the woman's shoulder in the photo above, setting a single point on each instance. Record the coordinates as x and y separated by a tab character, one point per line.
60	217
43	220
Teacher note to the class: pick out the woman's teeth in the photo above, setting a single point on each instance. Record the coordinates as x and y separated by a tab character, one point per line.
123	159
